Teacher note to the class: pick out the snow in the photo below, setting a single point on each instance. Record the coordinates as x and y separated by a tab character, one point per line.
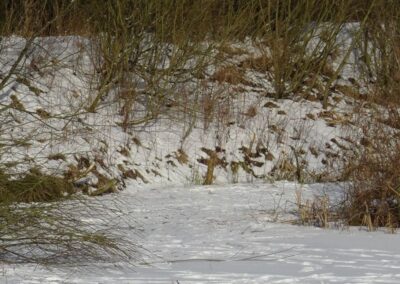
225	233
239	233
67	82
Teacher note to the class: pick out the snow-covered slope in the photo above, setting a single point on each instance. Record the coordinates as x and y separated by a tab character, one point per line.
45	123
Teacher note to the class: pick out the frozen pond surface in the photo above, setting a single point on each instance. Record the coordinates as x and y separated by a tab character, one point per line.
231	234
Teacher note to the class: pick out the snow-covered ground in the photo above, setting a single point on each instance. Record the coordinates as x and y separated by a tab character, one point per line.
237	233
231	233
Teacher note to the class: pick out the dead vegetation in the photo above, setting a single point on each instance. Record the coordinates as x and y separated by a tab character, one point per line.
374	198
34	187
130	51
230	75
37	224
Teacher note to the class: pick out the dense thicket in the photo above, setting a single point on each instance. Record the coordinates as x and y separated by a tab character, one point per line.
235	17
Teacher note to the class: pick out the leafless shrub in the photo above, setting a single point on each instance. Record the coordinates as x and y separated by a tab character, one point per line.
374	197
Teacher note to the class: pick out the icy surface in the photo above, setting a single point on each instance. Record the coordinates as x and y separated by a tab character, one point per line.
231	234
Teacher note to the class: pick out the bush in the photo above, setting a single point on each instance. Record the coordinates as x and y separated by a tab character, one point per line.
32	229
374	196
34	187
49	233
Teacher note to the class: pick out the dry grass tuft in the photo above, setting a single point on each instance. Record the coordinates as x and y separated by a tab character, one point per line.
317	212
34	187
229	74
